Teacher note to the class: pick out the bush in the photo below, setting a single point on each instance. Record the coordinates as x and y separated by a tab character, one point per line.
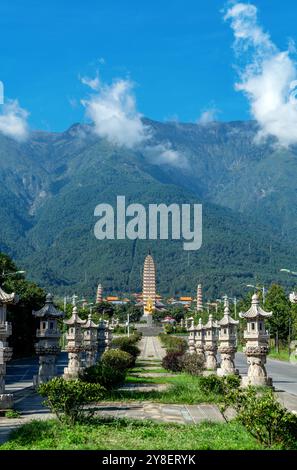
173	343
11	414
128	345
172	361
105	375
67	398
169	329
117	359
264	417
120	330
219	385
192	363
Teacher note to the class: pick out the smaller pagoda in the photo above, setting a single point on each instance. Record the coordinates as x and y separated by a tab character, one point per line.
99	295
199	305
211	344
257	342
75	346
227	340
191	339
199	339
48	336
6	399
90	341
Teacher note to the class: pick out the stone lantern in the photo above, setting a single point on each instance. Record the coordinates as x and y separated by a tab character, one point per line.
256	348
191	339
227	339
90	341
199	339
100	339
6	399
211	343
48	335
75	346
108	335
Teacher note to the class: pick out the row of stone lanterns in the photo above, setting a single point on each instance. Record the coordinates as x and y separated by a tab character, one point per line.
220	337
84	337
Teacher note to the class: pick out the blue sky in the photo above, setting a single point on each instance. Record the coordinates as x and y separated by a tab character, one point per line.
178	52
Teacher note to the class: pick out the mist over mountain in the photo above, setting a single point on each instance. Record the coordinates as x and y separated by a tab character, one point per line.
50	185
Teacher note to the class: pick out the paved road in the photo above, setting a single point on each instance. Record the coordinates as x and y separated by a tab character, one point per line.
284	374
20	372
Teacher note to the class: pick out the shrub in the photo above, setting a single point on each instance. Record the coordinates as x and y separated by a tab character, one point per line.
11	414
192	363
117	359
264	417
212	383
67	398
120	330
103	374
172	361
173	343
128	345
169	329
220	385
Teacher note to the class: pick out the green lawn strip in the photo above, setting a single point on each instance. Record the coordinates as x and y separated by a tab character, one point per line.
184	389
282	355
142	370
124	434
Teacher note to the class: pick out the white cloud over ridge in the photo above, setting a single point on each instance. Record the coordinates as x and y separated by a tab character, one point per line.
268	76
208	116
113	112
13	121
112	109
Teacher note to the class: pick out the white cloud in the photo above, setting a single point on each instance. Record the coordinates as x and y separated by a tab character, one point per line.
13	121
93	83
208	116
267	77
113	111
164	154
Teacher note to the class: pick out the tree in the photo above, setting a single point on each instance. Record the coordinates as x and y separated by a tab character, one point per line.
31	297
105	308
177	312
277	301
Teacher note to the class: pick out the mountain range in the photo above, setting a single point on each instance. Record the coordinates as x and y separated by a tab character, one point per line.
50	185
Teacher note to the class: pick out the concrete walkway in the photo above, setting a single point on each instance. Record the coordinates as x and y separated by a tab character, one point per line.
151	349
182	414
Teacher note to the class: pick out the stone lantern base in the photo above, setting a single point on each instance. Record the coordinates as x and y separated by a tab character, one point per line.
256	381
74	365
257	375
227	366
210	359
6	401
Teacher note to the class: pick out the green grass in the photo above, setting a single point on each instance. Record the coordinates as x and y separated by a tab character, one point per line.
147	370
125	434
282	355
183	389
